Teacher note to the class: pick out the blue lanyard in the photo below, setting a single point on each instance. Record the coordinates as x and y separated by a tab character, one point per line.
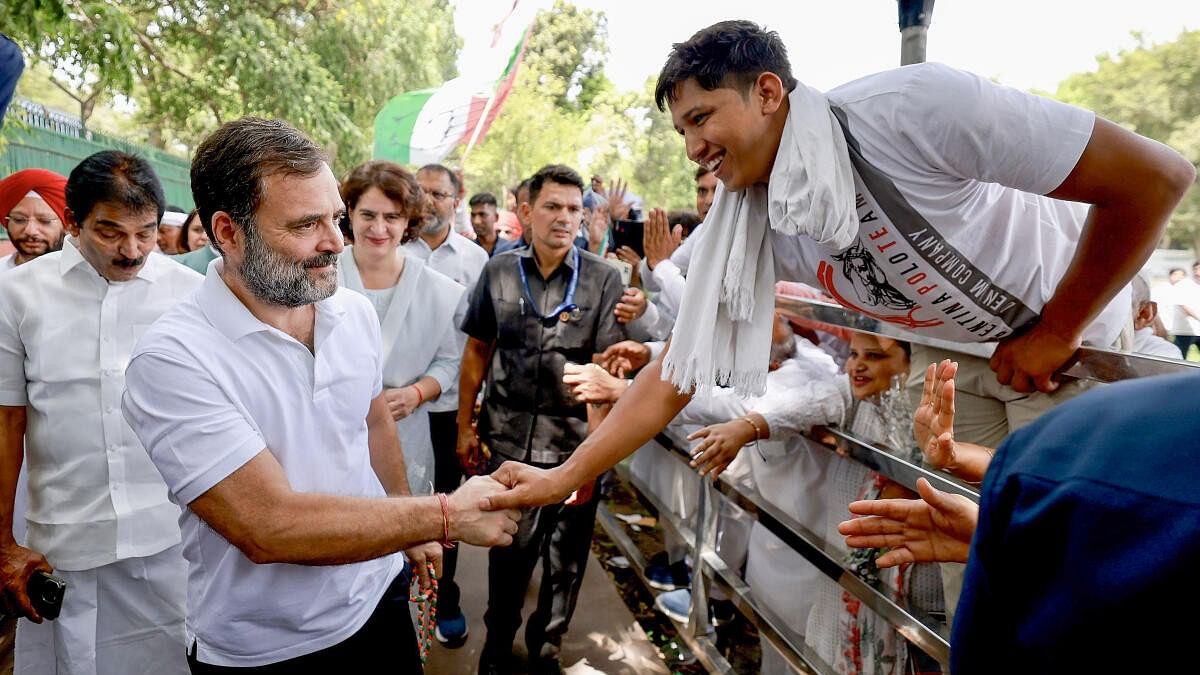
564	309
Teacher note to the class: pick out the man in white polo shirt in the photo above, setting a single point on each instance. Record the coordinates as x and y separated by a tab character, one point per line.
98	509
260	401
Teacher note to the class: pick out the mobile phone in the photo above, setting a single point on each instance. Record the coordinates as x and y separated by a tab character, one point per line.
629	233
46	593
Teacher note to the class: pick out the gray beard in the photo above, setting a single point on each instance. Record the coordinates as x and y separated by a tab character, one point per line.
276	280
434	226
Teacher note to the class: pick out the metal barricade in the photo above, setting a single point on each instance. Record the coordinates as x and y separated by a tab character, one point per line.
928	634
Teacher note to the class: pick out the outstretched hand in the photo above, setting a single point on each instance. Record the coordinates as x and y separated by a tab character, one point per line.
469	521
936	528
528	486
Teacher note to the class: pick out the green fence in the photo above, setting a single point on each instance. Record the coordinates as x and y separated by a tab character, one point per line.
44	139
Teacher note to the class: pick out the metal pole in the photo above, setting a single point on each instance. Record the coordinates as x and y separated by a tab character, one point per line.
915	16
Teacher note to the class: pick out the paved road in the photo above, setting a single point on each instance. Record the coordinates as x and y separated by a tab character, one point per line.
604	636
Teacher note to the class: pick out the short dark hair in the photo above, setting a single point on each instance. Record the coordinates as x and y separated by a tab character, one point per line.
523	185
729	54
446	170
555	173
113	176
484	198
1173	270
230	165
688	219
702	171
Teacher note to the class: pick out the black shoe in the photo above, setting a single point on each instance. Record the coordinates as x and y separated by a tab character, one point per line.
721	612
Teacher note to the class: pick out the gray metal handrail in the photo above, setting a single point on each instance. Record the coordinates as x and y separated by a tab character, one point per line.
927	633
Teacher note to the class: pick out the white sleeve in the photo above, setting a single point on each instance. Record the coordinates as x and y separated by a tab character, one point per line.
671	284
194	433
13	391
969	127
649	326
812	403
720	405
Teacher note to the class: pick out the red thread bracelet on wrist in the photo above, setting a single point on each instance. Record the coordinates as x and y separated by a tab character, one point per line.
445	504
420	396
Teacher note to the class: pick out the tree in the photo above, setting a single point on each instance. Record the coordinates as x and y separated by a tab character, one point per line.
189	65
1155	91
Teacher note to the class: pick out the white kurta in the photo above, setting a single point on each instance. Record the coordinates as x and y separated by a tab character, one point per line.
418	340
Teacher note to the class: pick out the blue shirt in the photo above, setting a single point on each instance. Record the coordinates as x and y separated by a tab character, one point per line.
1088	536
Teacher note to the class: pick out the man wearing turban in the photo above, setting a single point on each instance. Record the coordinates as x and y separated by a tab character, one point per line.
32	206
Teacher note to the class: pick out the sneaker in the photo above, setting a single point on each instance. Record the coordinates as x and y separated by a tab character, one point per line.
675	604
669	577
451	631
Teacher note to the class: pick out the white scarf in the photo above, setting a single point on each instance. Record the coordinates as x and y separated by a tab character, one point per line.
719	337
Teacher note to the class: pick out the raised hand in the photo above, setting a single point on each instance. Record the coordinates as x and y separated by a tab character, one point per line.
623	358
631	306
597	227
471	523
936	528
617	206
658	239
933	422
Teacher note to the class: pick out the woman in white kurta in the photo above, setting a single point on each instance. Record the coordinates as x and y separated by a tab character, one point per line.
418	307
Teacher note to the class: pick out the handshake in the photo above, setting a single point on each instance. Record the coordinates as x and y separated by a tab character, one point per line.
484	511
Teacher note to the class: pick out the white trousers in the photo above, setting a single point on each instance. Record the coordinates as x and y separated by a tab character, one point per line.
125	618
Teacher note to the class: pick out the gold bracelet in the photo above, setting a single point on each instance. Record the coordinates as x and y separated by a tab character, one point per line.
757	430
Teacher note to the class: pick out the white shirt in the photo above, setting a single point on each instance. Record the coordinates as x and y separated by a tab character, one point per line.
462	260
209	387
1184	292
65	338
8	262
1146	342
956	240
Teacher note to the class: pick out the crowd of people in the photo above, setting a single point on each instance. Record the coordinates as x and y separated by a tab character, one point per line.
249	437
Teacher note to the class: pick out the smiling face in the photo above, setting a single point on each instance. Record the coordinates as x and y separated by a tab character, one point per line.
34	228
731	133
288	256
378	222
872	364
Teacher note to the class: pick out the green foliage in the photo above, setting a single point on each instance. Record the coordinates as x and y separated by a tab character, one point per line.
1155	91
326	67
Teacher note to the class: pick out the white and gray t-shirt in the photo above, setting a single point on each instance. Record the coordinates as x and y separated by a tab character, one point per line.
956	240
